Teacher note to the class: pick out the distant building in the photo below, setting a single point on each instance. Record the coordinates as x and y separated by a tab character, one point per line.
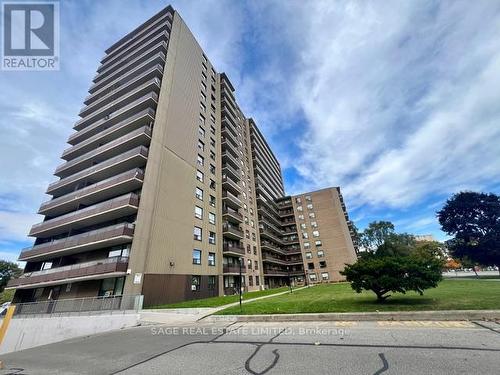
424	237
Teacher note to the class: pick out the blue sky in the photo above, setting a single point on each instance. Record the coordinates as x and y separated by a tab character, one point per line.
397	102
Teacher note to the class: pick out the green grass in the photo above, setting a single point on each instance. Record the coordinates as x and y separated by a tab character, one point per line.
219	301
449	295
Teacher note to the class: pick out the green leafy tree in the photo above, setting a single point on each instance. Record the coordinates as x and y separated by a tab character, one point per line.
414	269
376	234
8	270
474	221
397	244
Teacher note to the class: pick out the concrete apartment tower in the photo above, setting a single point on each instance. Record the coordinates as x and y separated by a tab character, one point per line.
166	186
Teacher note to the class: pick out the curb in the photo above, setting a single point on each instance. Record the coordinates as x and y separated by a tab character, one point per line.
364	316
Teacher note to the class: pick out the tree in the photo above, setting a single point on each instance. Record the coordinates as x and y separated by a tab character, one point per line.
474	221
397	244
8	270
382	273
376	234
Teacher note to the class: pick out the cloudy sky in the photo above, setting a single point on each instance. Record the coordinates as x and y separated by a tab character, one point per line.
397	102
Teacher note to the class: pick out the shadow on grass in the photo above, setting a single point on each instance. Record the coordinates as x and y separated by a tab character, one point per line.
395	301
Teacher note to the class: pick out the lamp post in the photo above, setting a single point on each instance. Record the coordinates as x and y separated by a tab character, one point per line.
239	283
289	280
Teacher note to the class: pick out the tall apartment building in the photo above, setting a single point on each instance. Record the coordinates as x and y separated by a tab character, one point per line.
166	186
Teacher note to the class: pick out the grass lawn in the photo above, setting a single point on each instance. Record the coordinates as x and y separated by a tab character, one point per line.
449	295
218	301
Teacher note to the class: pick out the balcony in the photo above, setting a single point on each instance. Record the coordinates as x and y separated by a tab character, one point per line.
229	136
229	125
232	215
230	172
270	259
139	75
145	118
270	217
138	85
290	241
138	56
120	109
230	185
234	269
231	200
138	137
159	39
228	159
228	146
102	190
269	246
275	273
138	40
233	250
295	261
135	158
158	58
232	232
99	213
96	239
294	250
110	267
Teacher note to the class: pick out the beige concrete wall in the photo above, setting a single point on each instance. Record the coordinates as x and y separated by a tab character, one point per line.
334	233
163	239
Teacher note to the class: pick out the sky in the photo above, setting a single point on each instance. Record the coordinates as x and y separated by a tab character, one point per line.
396	102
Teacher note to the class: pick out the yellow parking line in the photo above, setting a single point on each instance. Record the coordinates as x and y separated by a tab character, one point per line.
426	324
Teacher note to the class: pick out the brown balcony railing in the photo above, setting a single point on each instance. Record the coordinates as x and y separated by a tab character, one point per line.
83	217
138	137
94	268
232	230
99	238
234	269
235	249
102	170
75	198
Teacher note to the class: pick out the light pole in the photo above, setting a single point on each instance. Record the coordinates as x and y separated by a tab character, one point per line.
239	283
289	280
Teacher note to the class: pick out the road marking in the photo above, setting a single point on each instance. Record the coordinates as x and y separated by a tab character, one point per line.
426	324
346	324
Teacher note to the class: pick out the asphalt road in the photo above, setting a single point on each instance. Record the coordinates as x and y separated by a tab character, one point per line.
273	348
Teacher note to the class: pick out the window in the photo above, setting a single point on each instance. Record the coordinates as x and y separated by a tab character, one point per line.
303	226
212	155
248	249
254	237
212	184
212	118
211	238
199	193
307	245
305	235
212	201
255	250
252	223
247	234
203	86
312	276
322	264
325	276
310	206
309	255
246	219
196	256
310	266
195	283
203	108
211	259
203	96
197	233
212	129
199	176
202	122
256	264
301	217
257	281
249	264
250	280
211	282
312	215
201	132
298	200
46	265
198	212
201	146
318	243
315	233
321	253
299	208
200	160
212	142
308	198
211	218
314	224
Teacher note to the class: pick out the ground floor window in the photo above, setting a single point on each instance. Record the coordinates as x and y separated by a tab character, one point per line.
257	281
250	280
195	283
325	276
312	276
112	286
211	282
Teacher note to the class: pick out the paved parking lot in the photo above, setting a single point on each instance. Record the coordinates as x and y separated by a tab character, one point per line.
273	348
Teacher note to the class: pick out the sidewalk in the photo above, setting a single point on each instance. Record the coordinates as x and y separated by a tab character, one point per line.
168	316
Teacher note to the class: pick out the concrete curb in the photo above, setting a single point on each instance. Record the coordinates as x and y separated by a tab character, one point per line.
364	316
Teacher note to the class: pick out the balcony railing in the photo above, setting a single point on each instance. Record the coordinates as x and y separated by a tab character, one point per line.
105	189
66	273
237	250
231	200
229	213
229	171
108	210
234	269
95	239
230	160
135	158
270	259
138	137
231	231
230	185
228	146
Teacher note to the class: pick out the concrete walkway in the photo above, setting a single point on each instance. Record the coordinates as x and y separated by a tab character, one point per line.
169	316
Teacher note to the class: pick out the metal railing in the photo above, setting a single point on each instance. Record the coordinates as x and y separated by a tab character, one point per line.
81	305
